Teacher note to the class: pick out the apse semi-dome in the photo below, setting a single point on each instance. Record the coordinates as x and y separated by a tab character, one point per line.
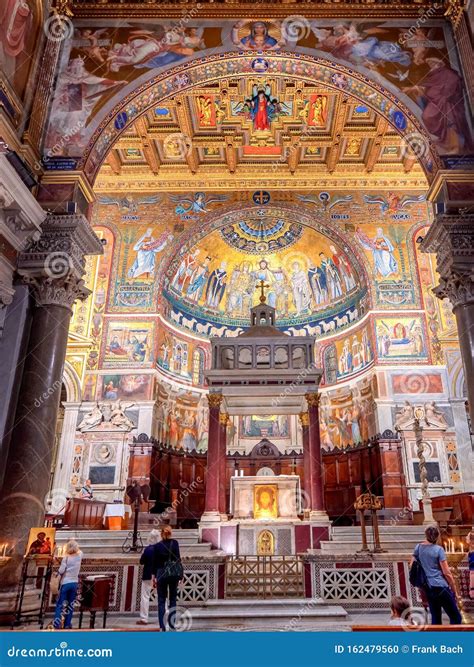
310	274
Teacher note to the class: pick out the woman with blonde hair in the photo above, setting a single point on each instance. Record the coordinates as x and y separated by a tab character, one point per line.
169	571
69	573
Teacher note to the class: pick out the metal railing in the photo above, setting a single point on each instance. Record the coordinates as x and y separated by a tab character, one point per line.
264	576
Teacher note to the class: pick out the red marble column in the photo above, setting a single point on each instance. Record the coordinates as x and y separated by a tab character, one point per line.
315	457
304	421
223	421
213	464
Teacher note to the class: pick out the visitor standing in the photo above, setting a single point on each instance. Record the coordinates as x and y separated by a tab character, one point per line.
169	571
440	587
69	573
147	559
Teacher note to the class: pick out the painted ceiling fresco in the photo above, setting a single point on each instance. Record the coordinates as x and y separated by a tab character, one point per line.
101	61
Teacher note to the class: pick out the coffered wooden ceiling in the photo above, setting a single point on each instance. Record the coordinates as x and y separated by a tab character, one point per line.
211	138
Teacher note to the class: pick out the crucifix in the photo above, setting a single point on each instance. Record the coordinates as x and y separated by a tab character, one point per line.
262	286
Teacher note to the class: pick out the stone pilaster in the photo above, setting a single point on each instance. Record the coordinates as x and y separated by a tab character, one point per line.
451	238
456	12
53	266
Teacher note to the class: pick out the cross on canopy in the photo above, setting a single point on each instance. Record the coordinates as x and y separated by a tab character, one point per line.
262	286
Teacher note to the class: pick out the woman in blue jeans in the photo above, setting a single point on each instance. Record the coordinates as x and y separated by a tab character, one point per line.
441	589
69	571
166	551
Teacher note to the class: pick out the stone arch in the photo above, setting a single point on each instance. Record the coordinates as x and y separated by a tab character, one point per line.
111	123
72	383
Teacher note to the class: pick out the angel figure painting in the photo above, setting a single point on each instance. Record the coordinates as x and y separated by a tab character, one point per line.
146	249
128	203
262	107
382	250
393	202
192	206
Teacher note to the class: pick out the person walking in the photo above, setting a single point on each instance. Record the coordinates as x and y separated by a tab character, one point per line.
69	573
147	559
440	587
169	571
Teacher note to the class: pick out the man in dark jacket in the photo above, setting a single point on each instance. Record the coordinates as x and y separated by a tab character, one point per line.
166	553
147	559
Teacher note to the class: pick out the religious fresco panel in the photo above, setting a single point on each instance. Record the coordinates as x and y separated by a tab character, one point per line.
100	60
401	338
128	343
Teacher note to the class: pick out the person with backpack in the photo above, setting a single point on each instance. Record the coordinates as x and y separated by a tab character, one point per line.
169	572
429	571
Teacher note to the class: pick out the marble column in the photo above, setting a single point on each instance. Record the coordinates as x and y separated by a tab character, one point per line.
317	512
223	423
451	237
304	421
53	267
211	511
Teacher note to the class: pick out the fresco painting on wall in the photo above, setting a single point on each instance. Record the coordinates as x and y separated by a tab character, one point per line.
17	38
347	416
347	355
264	426
128	342
400	338
116	387
389	250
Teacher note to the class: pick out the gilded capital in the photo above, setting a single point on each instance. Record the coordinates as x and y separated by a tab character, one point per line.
312	398
214	400
223	418
304	418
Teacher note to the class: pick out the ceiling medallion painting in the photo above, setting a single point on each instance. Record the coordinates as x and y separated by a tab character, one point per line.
262	233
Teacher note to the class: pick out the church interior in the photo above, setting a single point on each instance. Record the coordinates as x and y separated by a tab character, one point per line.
236	298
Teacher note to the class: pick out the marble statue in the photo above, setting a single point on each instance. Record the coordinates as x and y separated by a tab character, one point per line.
405	418
91	419
434	417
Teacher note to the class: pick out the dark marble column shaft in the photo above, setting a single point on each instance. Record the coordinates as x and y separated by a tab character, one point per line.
30	456
223	421
465	322
316	463
213	466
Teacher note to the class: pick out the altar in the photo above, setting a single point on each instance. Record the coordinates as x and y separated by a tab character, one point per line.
264	498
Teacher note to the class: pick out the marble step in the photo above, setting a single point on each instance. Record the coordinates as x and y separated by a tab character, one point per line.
94	542
351	547
251	614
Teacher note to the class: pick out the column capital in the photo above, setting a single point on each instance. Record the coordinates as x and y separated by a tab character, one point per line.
451	238
454	11
214	400
223	418
304	418
54	264
312	398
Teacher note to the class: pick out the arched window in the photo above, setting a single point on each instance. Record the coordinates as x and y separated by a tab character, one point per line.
198	366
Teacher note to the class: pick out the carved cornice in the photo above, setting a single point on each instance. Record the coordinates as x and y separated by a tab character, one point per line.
451	238
54	264
20	214
234	8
